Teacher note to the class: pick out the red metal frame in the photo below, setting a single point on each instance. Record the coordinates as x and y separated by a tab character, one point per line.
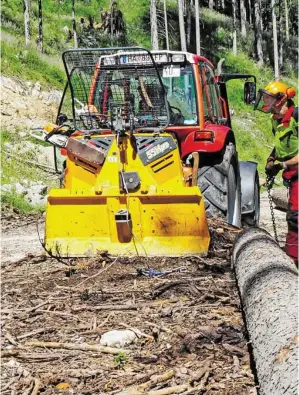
185	134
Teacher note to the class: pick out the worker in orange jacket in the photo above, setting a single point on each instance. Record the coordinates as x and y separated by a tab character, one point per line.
277	98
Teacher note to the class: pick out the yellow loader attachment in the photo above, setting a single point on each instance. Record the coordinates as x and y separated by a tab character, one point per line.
125	194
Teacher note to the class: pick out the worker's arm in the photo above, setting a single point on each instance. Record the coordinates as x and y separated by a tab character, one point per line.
271	157
291	163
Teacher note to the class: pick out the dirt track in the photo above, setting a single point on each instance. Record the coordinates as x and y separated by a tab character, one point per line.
20	236
191	321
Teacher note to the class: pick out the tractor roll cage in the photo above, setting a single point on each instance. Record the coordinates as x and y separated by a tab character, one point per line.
110	83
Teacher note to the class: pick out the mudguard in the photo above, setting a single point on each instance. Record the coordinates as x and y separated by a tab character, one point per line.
248	172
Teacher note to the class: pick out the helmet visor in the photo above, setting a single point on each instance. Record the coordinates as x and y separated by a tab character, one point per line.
265	101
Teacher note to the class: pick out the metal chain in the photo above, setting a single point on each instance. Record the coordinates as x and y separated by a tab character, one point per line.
269	184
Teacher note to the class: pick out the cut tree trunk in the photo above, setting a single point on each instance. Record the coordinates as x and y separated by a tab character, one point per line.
268	285
280	198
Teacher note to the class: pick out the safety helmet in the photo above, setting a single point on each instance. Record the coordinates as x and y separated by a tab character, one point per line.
273	95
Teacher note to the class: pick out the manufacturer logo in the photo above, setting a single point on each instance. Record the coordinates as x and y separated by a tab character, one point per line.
157	150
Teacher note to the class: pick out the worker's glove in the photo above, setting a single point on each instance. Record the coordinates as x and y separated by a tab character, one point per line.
273	169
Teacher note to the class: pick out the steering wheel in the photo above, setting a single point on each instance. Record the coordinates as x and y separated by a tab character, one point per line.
175	108
177	117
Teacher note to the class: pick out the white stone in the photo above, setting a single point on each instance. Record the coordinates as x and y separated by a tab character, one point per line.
118	338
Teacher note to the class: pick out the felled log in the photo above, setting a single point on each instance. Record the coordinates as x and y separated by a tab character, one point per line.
280	198
268	285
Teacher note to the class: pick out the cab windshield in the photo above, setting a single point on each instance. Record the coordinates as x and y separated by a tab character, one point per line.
180	95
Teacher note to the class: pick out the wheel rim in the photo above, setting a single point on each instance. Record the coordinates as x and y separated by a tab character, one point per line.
233	199
257	211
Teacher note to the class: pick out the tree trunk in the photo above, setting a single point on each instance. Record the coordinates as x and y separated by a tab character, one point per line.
166	25
26	21
223	5
258	31
188	23
243	18
234	28
287	20
268	285
74	25
197	27
249	12
154	26
281	37
275	46
182	26
40	26
111	20
211	4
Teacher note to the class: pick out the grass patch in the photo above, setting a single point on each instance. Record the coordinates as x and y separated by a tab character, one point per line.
28	65
16	168
18	158
17	201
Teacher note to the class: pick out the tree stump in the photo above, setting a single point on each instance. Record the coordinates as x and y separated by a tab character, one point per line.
268	285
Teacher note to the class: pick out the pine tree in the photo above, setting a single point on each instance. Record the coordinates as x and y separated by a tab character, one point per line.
182	26
197	27
243	18
258	31
166	25
74	24
26	21
40	26
275	46
154	26
234	28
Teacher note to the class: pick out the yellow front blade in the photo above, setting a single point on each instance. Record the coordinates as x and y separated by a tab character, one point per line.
160	225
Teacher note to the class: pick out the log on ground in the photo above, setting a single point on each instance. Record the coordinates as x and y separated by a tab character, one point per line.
268	285
280	198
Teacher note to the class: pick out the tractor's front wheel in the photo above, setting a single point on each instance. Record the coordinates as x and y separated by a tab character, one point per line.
253	219
221	188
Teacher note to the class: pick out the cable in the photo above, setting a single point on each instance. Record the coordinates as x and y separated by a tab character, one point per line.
49	252
127	206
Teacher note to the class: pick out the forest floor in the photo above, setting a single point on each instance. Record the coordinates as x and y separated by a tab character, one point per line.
190	335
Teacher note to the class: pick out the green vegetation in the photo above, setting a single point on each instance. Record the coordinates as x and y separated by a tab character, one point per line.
27	64
120	360
11	174
17	201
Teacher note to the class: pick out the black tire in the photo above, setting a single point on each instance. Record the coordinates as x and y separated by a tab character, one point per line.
221	188
253	219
